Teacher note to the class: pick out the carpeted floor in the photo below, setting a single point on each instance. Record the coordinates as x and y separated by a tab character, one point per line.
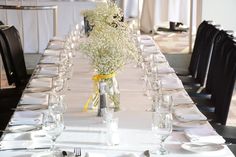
173	42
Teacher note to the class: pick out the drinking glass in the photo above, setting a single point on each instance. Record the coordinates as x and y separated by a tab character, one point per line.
112	135
162	127
57	104
107	114
53	125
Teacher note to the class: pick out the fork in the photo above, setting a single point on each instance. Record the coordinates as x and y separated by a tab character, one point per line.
77	151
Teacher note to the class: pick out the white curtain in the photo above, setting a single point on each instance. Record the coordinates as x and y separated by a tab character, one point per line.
155	12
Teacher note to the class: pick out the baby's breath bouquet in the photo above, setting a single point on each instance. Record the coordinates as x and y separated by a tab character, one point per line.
109	47
104	14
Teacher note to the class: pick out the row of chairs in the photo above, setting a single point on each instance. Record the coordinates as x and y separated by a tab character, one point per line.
14	64
211	76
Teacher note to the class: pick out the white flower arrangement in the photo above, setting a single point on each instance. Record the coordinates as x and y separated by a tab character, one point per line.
110	44
104	13
109	48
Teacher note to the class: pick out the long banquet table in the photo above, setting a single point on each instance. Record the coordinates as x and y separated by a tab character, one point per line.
86	130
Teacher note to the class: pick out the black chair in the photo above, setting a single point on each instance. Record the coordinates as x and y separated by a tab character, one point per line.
210	66
223	86
192	69
9	98
13	60
204	50
1	23
16	55
222	47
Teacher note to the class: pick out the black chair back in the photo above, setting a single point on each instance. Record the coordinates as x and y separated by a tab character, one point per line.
14	48
223	42
224	85
206	49
9	70
1	23
196	53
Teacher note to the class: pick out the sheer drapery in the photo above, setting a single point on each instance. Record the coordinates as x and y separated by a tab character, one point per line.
36	27
155	12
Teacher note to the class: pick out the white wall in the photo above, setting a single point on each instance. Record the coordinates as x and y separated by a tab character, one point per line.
221	12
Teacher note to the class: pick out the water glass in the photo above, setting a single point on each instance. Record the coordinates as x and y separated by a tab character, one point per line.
53	125
107	114
112	135
165	103
162	127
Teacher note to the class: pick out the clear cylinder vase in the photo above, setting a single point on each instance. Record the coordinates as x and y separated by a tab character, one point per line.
113	93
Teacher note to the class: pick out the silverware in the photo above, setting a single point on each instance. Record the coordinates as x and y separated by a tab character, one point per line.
77	151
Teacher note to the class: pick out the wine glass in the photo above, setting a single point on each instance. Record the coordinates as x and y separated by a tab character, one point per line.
53	125
56	103
162	127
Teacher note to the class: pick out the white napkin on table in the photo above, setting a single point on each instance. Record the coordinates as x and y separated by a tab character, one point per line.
48	70
171	82
50	60
150	49
40	83
57	38
51	52
144	37
147	42
34	98
164	68
181	97
26	118
188	113
89	154
204	134
56	44
160	58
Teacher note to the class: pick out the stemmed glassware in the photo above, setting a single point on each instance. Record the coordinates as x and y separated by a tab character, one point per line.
162	127
53	125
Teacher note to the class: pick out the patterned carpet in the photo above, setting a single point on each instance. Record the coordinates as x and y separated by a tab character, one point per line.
173	42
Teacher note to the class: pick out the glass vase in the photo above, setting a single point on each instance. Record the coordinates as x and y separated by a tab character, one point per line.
113	93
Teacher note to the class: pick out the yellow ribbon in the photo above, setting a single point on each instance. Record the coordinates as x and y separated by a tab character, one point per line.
96	79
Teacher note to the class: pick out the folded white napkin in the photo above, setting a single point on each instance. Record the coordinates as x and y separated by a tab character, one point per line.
164	68
144	37
56	44
26	118
51	52
147	42
34	98
21	144
150	49
48	70
40	83
57	39
171	82
188	113
204	134
181	97
160	58
50	60
90	154
128	155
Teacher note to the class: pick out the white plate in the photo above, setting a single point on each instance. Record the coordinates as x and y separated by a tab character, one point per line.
202	147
